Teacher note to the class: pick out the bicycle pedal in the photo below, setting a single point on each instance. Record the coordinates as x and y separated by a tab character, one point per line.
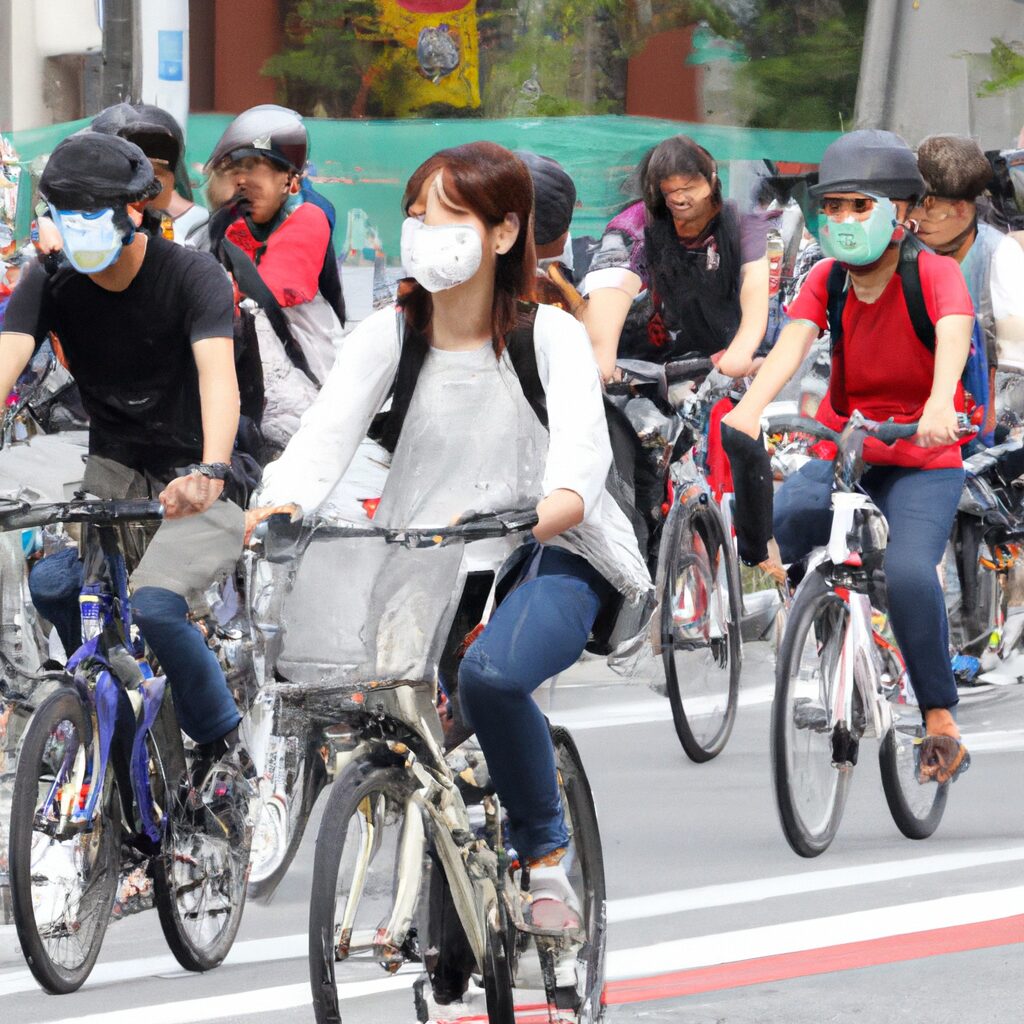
845	747
808	715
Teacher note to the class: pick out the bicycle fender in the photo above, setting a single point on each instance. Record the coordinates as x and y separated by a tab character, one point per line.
152	697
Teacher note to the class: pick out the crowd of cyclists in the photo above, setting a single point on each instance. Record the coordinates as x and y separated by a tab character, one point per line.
212	354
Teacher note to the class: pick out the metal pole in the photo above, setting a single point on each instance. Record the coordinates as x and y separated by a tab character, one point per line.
118	51
873	108
6	77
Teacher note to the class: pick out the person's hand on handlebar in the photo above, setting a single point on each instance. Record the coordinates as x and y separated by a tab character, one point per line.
189	495
255	516
938	424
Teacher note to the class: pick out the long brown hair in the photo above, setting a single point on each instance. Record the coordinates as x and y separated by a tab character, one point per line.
492	182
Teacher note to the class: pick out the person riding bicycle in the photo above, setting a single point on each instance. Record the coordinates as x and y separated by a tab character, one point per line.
472	441
867	186
956	173
146	328
277	245
680	273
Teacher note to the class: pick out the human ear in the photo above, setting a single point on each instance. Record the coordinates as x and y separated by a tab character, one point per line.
506	233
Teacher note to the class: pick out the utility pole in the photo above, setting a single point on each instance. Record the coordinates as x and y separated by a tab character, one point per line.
6	69
118	75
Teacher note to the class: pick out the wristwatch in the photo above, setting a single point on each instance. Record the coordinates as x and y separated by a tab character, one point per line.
214	470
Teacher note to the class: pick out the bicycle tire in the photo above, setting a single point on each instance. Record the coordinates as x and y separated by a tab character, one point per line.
373	793
703	720
801	743
589	880
915	808
197	859
972	592
101	847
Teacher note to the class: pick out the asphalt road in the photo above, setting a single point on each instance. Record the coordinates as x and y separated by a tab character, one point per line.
713	920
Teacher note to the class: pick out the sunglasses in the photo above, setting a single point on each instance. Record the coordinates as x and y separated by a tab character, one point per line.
832	206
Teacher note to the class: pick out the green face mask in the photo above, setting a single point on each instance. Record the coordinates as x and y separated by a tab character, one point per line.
859	242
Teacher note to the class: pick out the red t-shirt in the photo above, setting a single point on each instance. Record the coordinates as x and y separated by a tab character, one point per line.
292	257
881	364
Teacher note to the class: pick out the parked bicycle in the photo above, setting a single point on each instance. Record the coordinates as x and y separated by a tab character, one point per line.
105	789
412	871
840	677
696	570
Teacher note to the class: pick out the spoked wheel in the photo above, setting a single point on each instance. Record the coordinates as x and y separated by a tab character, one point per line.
584	864
917	809
365	906
809	791
700	626
63	878
200	874
971	591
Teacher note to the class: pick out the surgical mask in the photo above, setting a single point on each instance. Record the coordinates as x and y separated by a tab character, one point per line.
440	256
92	241
859	242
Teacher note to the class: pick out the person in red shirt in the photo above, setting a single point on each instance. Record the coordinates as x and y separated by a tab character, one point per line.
868	182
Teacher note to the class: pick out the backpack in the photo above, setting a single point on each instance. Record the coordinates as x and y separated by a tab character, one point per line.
627	452
978	376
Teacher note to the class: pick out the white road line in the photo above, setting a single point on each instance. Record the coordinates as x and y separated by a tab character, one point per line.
755	890
794	936
295	947
643	961
1010	739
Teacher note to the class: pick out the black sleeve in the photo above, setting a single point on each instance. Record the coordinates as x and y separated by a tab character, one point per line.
752	485
209	299
29	310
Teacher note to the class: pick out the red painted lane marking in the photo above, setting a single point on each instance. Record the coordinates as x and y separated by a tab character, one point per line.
824	960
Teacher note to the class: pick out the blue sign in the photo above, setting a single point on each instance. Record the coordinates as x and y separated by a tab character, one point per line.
171	55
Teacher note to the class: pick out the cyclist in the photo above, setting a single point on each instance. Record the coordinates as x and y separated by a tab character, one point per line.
146	328
472	259
278	247
956	173
868	184
680	272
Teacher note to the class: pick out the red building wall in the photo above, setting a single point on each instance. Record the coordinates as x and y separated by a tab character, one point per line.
660	84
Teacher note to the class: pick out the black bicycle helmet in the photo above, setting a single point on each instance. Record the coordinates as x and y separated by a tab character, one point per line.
269	131
91	171
870	160
554	197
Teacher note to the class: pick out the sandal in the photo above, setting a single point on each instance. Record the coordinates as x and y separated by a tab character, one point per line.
941	759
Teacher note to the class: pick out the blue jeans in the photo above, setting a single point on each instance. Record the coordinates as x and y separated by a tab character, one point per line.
205	708
919	506
539	630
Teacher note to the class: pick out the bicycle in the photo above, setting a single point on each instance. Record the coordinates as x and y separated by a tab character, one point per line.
839	677
103	786
412	871
696	568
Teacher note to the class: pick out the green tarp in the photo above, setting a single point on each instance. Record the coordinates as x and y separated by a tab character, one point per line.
365	164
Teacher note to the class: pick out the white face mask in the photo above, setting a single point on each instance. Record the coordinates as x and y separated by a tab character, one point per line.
91	239
440	256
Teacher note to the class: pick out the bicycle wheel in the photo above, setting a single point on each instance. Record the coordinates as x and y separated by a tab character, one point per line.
200	874
584	864
809	791
917	809
63	878
700	626
368	873
971	591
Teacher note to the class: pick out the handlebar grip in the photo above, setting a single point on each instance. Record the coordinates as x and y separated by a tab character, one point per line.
791	424
684	369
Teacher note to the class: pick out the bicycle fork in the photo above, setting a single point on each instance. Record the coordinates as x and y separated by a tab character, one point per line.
856	671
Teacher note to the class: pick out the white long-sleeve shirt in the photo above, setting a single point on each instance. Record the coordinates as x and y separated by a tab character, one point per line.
436	476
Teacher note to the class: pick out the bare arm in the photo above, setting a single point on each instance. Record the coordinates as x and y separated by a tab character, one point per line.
783	361
753	319
15	352
952	346
604	316
559	511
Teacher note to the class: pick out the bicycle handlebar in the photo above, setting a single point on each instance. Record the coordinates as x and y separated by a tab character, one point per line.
16	514
887	432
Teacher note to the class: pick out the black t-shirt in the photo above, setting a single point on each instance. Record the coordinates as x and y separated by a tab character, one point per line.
131	351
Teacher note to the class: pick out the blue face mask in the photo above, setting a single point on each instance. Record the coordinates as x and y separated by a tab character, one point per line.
91	239
859	242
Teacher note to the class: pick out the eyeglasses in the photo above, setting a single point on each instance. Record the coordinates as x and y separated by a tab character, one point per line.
832	206
930	202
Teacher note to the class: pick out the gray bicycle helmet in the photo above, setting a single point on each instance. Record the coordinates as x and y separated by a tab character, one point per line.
91	171
269	131
870	160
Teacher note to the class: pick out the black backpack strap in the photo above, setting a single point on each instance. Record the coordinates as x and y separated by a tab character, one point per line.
523	355
836	302
387	426
252	285
909	270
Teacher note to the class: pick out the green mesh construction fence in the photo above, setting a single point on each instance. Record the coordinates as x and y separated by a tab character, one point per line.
363	165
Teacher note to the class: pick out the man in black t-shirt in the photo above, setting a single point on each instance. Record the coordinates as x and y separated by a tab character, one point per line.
146	327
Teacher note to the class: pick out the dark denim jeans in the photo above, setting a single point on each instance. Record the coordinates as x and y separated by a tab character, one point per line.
919	506
205	708
539	630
